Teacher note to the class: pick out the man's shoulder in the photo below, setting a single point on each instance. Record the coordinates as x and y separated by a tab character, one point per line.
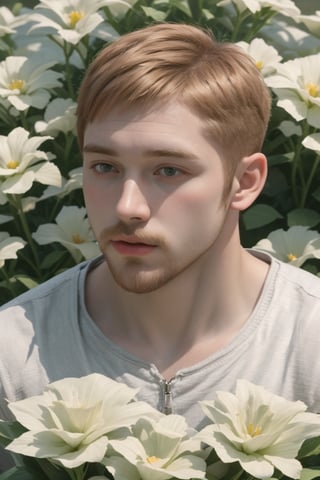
287	279
300	280
49	290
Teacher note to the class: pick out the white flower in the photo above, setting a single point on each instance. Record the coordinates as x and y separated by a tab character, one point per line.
60	115
9	247
25	83
297	85
289	128
72	230
68	185
21	163
284	7
260	430
265	56
74	19
9	22
159	450
294	246
312	22
289	40
312	142
71	422
5	218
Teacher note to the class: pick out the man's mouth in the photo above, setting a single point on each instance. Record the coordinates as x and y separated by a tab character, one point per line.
132	248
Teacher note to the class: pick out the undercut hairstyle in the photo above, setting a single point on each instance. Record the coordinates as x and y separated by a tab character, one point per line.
161	63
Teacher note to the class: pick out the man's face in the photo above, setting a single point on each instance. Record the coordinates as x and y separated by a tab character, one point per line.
153	187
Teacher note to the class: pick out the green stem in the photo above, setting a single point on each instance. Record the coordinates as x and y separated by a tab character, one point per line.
67	53
69	137
309	181
296	167
67	50
8	281
7	118
24	122
236	26
259	22
16	201
196	8
85	43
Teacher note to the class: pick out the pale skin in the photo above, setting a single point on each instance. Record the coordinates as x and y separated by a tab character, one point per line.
176	285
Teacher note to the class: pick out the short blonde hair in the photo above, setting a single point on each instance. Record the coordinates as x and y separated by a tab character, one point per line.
166	62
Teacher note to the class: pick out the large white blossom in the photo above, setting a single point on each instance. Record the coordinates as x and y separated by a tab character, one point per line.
21	163
284	7
258	429
72	230
294	246
297	86
264	56
159	450
71	20
25	83
72	421
60	116
9	246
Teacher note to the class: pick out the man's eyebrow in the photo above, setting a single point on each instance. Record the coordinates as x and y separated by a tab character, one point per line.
156	152
93	148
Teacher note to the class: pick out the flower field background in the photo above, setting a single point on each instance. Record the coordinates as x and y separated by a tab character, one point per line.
45	48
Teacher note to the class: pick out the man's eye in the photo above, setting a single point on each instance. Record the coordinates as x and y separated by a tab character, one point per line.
168	171
104	168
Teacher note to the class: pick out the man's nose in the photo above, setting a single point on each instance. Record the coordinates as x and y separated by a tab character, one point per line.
132	204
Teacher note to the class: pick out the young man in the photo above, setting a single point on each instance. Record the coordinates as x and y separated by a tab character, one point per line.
171	125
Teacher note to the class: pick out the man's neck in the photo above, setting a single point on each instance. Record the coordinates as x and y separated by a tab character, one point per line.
183	322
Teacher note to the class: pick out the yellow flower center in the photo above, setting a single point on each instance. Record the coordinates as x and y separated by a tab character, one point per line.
17	85
259	64
152	459
253	430
313	89
74	18
291	257
76	238
12	164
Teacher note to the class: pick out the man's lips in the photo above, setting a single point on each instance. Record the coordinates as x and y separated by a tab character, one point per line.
132	239
132	246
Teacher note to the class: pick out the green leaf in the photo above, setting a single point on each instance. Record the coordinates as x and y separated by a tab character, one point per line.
259	216
310	447
26	281
303	216
156	15
181	5
316	194
52	259
207	14
280	159
9	431
307	474
17	473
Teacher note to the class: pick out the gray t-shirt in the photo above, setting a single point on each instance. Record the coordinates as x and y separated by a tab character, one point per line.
47	334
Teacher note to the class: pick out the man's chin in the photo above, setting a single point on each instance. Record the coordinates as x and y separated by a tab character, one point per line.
142	282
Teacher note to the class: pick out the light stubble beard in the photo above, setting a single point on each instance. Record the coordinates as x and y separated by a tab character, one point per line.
132	273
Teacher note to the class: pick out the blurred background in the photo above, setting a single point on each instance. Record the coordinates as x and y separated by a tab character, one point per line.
306	6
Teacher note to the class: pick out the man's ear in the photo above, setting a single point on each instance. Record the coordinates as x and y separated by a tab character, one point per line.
249	180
